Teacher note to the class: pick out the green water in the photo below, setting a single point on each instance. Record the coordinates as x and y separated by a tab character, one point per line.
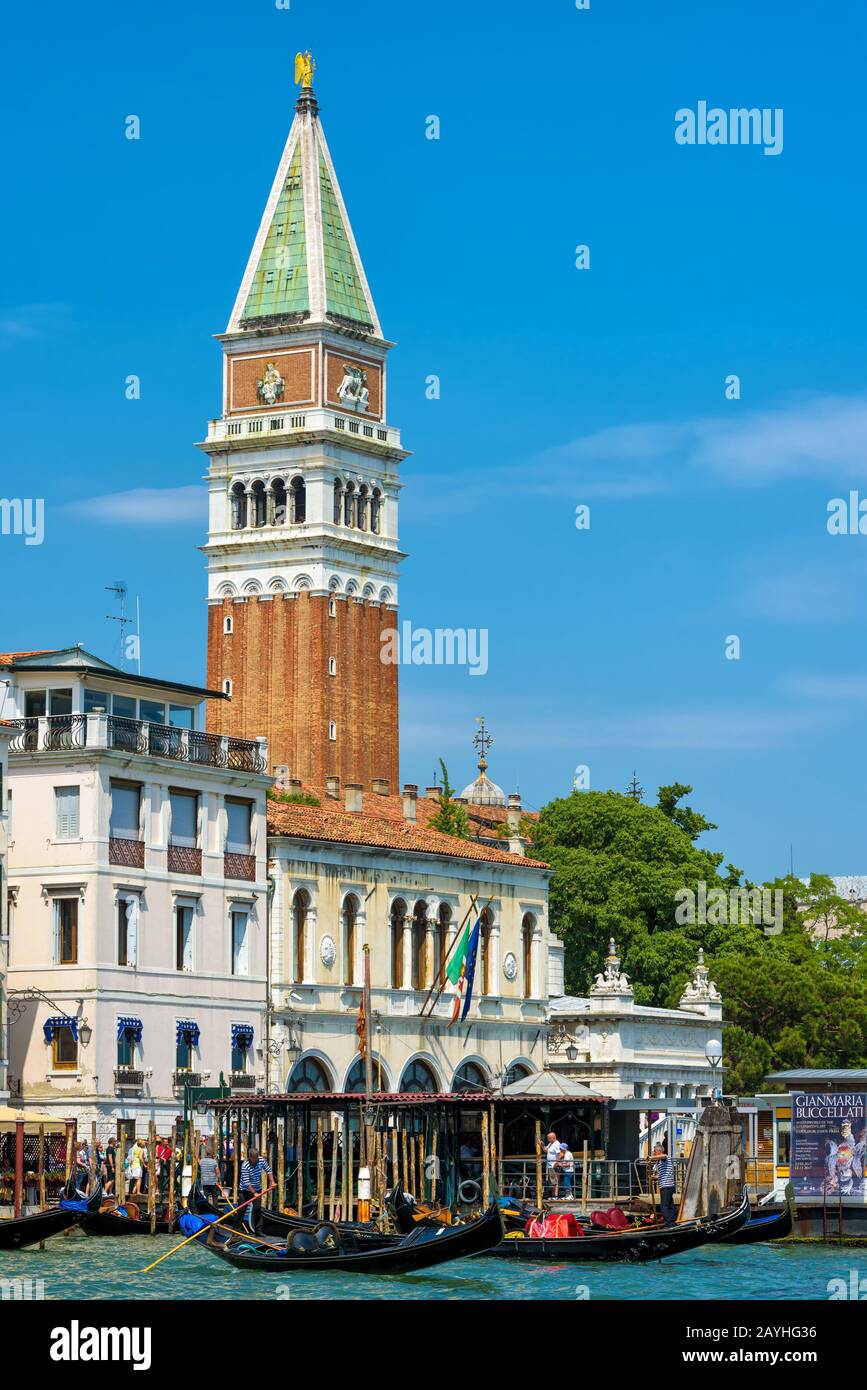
86	1267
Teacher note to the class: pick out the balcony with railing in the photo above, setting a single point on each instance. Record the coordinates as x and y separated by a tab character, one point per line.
243	1081
72	732
127	853
262	426
184	859
128	1079
180	1079
239	866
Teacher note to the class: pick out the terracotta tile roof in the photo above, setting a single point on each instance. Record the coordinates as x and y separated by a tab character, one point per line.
382	831
483	819
7	658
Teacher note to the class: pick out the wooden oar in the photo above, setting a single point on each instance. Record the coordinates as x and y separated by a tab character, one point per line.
220	1219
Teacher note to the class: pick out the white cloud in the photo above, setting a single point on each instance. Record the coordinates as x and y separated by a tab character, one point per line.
31	322
145	506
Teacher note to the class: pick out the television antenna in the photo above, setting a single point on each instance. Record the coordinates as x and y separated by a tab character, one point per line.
120	589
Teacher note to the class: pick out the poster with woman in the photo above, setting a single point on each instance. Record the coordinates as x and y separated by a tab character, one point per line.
828	1144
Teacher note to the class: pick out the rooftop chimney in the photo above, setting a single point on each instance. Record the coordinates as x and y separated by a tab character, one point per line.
433	793
410	801
380	786
516	844
281	776
513	812
332	787
293	785
354	796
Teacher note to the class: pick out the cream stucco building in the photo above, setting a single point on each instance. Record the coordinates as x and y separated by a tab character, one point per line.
362	868
137	892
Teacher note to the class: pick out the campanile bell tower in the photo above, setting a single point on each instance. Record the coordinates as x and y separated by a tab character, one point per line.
303	480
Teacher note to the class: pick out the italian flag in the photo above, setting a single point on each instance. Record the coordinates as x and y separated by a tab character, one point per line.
456	972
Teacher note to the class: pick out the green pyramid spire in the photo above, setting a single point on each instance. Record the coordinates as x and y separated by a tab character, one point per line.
304	263
343	281
280	282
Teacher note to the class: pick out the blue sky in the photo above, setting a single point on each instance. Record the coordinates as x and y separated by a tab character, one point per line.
559	386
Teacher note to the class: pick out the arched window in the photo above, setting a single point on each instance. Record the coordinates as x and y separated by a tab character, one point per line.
361	508
470	1077
278	494
355	1082
418	1076
375	506
485	950
441	943
350	927
398	917
349	505
516	1072
239	507
299	501
308	1075
419	932
258	503
528	926
300	904
338	501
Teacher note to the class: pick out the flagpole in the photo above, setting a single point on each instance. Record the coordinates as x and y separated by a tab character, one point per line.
442	969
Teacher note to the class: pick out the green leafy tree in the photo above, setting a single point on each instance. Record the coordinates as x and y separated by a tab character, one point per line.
450	817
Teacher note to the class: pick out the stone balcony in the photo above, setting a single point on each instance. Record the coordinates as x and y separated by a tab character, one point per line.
265	426
69	733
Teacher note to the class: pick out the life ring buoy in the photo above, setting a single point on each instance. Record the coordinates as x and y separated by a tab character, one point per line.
469	1191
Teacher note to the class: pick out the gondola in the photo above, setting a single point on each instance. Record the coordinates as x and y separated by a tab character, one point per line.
72	1208
326	1247
131	1219
636	1246
775	1226
272	1223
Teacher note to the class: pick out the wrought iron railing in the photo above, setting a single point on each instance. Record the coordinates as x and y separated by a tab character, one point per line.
186	1078
240	866
184	859
130	854
127	735
65	731
126	1077
58	732
245	756
206	748
243	1081
26	739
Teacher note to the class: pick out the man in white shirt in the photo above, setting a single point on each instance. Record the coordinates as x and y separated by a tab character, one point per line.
552	1162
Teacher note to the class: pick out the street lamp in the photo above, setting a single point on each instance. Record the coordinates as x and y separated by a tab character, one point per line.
713	1052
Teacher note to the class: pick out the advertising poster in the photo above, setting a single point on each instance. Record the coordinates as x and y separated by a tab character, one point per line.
828	1144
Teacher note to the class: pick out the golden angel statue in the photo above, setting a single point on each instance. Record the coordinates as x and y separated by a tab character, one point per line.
304	69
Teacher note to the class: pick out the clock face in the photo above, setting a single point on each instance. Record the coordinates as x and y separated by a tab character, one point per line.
327	951
510	966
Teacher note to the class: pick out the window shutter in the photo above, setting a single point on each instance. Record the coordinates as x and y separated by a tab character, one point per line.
188	938
67	818
240	946
56	956
132	931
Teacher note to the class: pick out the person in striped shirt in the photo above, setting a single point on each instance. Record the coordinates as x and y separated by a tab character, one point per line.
663	1171
252	1170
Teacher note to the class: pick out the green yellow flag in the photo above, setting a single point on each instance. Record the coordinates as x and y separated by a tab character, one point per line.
458	956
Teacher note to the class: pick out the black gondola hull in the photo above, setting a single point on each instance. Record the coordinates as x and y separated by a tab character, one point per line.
422	1249
762	1228
17	1234
631	1247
